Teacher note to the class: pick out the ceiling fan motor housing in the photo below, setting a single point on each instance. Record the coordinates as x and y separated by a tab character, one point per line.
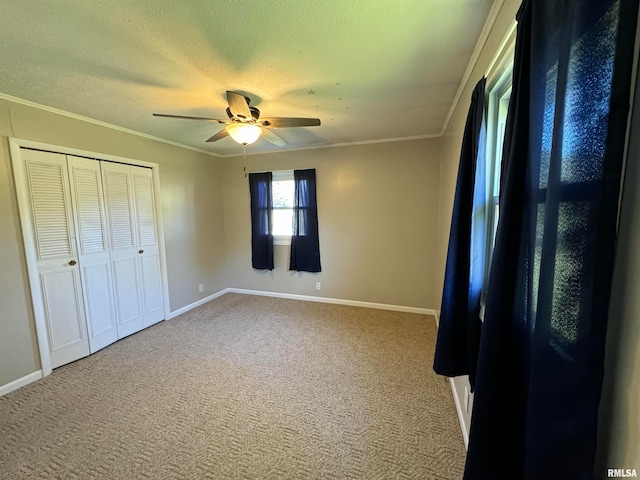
255	113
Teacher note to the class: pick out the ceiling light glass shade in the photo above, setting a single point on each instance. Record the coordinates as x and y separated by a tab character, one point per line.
244	133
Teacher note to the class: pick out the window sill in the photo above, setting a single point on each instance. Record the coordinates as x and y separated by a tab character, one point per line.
282	240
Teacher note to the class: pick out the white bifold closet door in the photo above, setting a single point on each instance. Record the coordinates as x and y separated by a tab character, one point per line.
134	246
148	251
96	242
57	256
93	251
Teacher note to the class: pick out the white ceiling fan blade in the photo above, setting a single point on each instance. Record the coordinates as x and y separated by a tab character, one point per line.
273	137
239	106
288	122
166	115
221	134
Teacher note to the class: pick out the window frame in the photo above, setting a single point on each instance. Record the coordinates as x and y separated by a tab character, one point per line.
498	94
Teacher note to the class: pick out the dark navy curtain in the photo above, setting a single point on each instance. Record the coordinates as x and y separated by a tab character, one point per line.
261	231
540	366
305	243
459	328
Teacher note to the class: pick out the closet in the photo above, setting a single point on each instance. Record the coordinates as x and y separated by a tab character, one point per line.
95	234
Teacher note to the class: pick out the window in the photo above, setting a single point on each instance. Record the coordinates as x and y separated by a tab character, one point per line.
573	147
282	192
497	119
497	107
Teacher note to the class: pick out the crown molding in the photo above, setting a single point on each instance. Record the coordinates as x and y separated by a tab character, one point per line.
57	111
482	40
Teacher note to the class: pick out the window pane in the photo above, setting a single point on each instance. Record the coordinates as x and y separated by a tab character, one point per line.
282	192
587	101
282	221
500	130
569	291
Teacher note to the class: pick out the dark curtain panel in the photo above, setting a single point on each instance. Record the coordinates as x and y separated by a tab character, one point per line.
305	244
459	330
540	366
261	206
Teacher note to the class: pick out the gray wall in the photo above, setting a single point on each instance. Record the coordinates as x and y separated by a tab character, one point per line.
377	209
191	207
619	422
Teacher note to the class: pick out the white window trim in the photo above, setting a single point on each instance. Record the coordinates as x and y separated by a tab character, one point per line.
498	85
282	240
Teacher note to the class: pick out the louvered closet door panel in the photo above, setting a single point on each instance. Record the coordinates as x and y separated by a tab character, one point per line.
117	187
49	203
95	266
119	202
145	206
148	255
58	270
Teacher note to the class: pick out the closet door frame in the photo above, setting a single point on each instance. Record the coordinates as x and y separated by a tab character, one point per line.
28	235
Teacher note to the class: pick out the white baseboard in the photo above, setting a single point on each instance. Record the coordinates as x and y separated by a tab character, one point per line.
465	434
456	398
308	298
193	305
337	301
21	382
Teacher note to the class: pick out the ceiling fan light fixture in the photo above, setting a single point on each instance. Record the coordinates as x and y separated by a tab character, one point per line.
244	133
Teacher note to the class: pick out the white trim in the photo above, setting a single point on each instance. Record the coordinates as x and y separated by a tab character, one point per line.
508	44
20	180
332	145
337	301
465	434
75	116
307	298
21	382
193	305
47	147
282	240
456	399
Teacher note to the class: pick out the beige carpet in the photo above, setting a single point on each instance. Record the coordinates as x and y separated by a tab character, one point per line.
244	388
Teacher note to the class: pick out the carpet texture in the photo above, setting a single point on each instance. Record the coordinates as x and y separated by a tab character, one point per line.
244	387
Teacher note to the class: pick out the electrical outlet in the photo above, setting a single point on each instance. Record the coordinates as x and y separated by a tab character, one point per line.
201	288
466	400
318	286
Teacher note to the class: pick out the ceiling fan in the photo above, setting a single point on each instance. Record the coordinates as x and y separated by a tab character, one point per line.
245	125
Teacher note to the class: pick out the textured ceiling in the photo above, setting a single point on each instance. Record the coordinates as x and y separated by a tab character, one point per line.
369	69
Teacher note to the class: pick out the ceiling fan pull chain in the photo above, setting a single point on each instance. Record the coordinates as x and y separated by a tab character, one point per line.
244	154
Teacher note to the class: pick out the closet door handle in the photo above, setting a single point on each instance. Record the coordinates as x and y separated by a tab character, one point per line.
140	251
72	262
